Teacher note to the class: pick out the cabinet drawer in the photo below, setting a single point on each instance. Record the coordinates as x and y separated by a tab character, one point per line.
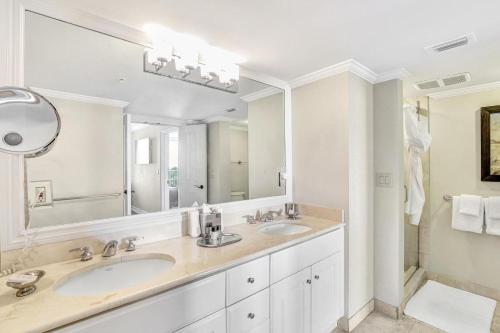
162	313
215	323
250	315
290	261
247	279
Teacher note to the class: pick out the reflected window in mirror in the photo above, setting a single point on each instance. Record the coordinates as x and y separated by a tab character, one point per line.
132	142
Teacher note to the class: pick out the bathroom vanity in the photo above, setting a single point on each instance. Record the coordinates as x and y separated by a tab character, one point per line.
265	283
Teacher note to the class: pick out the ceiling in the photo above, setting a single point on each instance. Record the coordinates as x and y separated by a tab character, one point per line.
63	57
291	38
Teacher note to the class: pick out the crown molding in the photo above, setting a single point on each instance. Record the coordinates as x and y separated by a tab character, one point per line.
351	66
261	94
465	90
79	98
398	73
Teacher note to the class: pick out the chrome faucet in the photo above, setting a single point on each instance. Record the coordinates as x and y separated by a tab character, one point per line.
85	253
110	248
264	217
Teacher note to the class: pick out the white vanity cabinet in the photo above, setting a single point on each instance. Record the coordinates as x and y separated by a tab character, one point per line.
312	298
299	289
163	313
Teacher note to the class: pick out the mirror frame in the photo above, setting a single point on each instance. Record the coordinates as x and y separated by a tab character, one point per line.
12	177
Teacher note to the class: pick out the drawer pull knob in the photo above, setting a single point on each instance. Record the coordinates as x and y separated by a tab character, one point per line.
251	280
251	315
316	277
309	281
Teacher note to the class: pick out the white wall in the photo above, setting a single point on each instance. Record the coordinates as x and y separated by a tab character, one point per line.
456	169
87	159
333	167
320	142
389	201
219	182
361	187
266	146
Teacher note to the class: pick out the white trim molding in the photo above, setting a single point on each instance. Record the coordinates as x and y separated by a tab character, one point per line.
351	66
465	90
259	94
394	74
80	98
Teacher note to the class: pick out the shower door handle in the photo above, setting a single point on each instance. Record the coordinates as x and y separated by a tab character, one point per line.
406	193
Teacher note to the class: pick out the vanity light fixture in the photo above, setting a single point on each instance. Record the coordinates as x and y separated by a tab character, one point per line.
189	58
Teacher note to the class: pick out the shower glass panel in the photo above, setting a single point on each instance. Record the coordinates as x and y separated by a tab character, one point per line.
412	230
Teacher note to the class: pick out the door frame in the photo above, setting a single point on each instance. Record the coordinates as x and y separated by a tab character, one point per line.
164	164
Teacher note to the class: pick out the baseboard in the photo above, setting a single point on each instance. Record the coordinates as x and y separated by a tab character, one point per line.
387	309
350	324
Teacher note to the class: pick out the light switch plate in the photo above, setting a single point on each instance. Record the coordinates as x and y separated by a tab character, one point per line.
383	179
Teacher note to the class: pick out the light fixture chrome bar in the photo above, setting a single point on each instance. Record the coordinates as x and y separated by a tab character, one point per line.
191	76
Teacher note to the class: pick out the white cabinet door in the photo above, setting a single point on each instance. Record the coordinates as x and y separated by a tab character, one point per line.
327	293
291	304
215	323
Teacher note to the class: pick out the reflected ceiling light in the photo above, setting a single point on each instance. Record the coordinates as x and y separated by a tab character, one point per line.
214	67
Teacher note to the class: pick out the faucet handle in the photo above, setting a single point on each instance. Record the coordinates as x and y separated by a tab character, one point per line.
131	242
250	219
276	212
85	253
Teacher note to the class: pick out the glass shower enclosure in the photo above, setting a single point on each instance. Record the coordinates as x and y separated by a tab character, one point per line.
412	231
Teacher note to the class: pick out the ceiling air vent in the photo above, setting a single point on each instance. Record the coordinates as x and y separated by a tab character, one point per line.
456	79
443	82
427	84
451	44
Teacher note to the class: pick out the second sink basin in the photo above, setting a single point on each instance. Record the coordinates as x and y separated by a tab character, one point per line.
120	273
284	228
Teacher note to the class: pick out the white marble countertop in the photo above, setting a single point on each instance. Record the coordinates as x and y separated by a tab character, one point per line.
45	309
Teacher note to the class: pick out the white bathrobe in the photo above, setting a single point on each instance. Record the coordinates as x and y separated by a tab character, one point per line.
418	141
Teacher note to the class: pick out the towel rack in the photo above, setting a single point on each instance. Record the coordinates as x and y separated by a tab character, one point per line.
447	197
94	196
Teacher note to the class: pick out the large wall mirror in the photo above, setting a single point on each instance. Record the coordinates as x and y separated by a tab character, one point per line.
132	142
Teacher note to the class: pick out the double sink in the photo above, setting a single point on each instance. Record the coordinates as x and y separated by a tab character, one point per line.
129	271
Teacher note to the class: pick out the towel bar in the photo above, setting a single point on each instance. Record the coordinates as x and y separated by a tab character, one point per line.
447	197
82	197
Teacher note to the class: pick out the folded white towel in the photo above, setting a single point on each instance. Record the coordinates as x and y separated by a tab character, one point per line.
470	204
466	222
492	211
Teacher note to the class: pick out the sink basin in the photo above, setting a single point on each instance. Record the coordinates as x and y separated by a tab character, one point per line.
284	228
120	273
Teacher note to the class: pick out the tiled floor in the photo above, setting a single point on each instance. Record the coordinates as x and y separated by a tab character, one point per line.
379	323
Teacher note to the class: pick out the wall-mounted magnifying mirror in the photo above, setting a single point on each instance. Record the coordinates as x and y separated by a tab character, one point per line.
29	124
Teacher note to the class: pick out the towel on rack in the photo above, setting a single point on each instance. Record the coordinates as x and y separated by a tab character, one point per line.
492	211
470	204
464	222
